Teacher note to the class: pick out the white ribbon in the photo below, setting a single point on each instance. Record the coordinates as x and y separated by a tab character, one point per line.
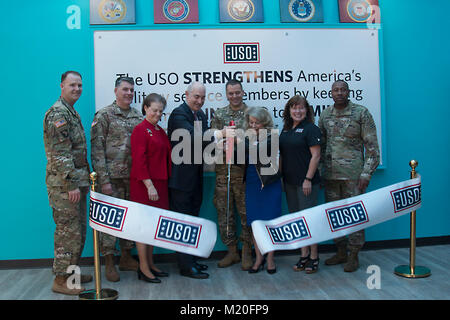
153	226
338	218
197	236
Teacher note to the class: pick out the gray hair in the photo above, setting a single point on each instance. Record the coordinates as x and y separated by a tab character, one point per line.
261	114
195	84
119	80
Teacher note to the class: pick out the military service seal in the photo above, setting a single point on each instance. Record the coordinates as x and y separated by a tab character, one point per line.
359	10
176	10
241	10
112	11
302	10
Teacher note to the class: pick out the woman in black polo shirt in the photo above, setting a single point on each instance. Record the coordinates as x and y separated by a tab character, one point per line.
300	154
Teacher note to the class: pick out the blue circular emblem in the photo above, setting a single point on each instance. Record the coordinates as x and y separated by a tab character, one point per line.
241	10
302	10
176	10
359	10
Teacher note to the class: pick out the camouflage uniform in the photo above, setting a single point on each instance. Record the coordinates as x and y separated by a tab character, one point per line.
222	118
67	170
111	158
349	152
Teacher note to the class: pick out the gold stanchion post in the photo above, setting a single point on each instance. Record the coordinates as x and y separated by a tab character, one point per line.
411	270
98	293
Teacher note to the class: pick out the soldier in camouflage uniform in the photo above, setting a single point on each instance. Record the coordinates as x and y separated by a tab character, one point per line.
67	179
350	155
221	120
111	158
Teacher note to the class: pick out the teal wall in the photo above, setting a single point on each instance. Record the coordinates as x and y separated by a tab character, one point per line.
37	47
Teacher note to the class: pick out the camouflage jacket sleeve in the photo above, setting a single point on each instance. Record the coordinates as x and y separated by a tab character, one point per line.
372	151
216	121
99	132
59	151
323	145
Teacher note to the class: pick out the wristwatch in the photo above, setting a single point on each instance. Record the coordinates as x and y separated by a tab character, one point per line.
306	178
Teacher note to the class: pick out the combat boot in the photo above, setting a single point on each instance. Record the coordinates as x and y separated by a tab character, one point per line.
127	262
85	278
110	269
353	262
60	286
246	262
230	258
340	256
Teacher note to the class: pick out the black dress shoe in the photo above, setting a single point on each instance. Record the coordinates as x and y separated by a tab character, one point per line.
159	273
142	276
259	268
271	271
194	273
201	267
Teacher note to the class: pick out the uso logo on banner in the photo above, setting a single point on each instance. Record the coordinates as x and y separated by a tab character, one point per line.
241	52
289	232
107	215
347	216
178	232
406	198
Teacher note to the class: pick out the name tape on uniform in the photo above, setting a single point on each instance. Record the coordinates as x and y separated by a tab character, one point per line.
153	226
338	218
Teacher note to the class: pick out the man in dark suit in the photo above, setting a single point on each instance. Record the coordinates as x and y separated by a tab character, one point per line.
186	181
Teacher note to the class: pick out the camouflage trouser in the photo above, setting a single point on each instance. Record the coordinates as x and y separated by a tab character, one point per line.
342	189
121	190
237	198
70	231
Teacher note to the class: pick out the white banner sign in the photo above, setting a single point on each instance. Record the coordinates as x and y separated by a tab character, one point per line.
273	65
338	218
153	226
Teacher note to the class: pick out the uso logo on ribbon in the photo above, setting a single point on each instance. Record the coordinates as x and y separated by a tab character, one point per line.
177	231
107	215
289	232
347	216
405	198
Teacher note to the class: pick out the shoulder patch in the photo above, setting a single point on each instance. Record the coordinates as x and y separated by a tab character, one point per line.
59	123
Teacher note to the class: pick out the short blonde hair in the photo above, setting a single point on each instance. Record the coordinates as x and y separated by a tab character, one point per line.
261	114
